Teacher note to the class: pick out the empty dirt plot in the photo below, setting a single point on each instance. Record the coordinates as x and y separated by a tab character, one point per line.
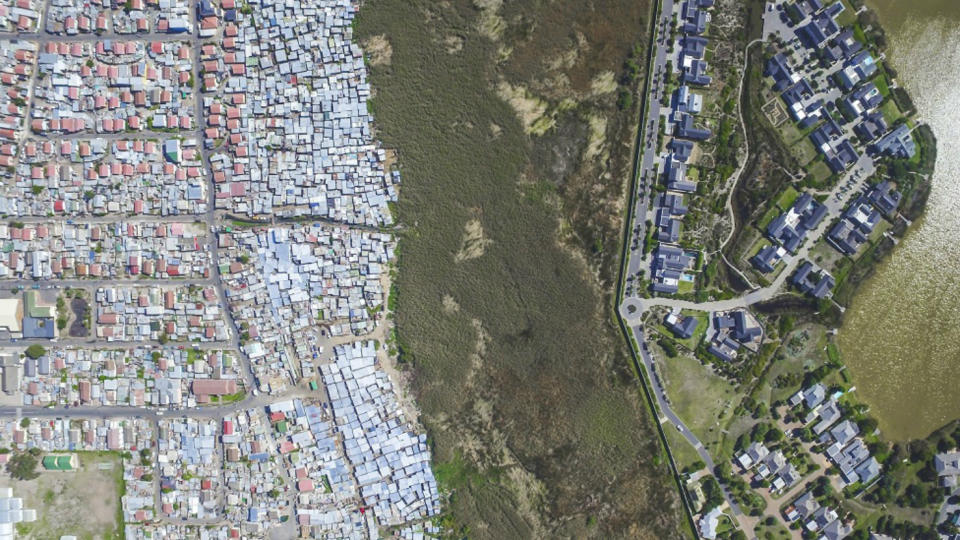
84	503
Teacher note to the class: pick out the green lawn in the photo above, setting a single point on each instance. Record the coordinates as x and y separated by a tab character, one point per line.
702	399
787	198
882	84
848	16
776	531
891	113
772	213
683	452
691	342
804	151
820	171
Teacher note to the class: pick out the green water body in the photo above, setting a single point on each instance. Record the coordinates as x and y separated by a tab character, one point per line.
901	336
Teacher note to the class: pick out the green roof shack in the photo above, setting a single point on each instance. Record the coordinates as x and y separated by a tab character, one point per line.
59	463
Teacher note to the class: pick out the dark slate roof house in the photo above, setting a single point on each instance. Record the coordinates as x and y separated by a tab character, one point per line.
859	68
778	68
668	264
685	129
872	126
884	197
686	101
854	227
681	149
897	143
682	327
675	172
695	73
767	259
813	281
694	18
862	100
792	226
694	46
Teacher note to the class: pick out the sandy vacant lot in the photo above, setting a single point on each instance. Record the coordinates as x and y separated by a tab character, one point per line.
84	503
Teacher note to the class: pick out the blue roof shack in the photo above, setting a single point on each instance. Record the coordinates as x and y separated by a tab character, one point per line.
855	225
862	100
898	143
685	129
885	198
682	327
686	101
768	258
791	227
859	68
813	280
205	9
872	126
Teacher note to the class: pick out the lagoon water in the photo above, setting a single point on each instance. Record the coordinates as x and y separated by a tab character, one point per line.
901	337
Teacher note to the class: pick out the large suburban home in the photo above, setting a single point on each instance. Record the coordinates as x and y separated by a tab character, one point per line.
948	468
862	100
813	280
837	150
897	143
767	259
669	264
791	227
855	225
859	68
885	198
871	126
681	326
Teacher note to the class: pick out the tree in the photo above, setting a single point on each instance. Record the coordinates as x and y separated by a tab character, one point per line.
23	467
867	424
35	351
25	423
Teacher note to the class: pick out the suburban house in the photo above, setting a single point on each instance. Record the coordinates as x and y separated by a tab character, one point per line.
830	141
767	259
675	174
813	280
791	227
855	225
884	197
859	68
948	468
862	100
871	126
681	326
897	143
667	269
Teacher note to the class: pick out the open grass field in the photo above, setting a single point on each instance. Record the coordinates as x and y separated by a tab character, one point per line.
84	503
515	158
702	399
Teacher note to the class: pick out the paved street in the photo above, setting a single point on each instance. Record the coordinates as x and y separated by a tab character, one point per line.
648	139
